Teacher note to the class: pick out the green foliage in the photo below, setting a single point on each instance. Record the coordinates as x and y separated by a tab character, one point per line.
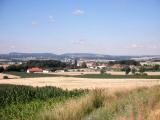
125	62
84	65
1	69
46	63
127	70
52	64
156	67
31	75
65	70
141	69
13	94
25	102
137	104
108	76
102	71
133	70
5	77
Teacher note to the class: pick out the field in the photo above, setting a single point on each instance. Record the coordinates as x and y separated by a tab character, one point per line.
108	76
138	104
24	102
79	97
50	103
85	83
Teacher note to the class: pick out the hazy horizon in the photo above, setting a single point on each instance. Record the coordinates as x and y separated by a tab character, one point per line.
110	27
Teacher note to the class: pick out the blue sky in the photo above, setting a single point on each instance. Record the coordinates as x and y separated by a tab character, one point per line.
115	27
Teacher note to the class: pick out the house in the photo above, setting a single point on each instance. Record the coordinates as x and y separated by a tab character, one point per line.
91	64
46	71
34	70
101	66
117	66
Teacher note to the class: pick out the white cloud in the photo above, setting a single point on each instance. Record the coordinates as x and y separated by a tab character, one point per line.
78	12
35	23
51	19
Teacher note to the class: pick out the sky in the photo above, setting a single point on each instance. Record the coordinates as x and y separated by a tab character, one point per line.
112	27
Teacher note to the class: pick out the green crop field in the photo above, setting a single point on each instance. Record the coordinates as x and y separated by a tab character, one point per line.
24	102
108	76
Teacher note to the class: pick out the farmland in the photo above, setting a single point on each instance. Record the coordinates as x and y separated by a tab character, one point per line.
50	103
23	102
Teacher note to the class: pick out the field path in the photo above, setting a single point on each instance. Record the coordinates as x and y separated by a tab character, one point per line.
73	83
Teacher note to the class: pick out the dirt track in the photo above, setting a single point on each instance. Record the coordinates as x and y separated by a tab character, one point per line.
72	83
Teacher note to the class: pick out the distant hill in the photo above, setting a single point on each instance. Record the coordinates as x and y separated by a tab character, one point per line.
28	56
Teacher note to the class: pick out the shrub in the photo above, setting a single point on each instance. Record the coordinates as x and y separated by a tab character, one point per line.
65	70
145	74
5	77
102	71
1	69
127	70
133	70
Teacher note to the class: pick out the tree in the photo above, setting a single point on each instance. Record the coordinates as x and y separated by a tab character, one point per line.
1	69
75	63
84	65
102	71
141	70
156	67
127	70
133	70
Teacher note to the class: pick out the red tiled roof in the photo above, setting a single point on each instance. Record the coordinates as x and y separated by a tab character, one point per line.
35	69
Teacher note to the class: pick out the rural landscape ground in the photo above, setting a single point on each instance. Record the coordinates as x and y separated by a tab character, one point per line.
79	96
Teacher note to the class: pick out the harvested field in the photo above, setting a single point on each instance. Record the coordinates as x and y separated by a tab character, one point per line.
84	83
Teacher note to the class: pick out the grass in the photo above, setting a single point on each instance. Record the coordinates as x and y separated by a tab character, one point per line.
108	76
138	104
105	76
24	102
50	103
31	75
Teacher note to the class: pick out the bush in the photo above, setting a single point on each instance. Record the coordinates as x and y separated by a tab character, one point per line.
102	71
65	70
1	69
5	77
144	74
127	70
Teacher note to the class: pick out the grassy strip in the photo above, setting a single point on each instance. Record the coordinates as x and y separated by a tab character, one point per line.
138	104
31	75
106	76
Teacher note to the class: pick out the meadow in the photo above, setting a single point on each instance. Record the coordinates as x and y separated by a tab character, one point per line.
137	104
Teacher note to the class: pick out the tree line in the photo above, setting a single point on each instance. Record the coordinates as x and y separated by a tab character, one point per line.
45	64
